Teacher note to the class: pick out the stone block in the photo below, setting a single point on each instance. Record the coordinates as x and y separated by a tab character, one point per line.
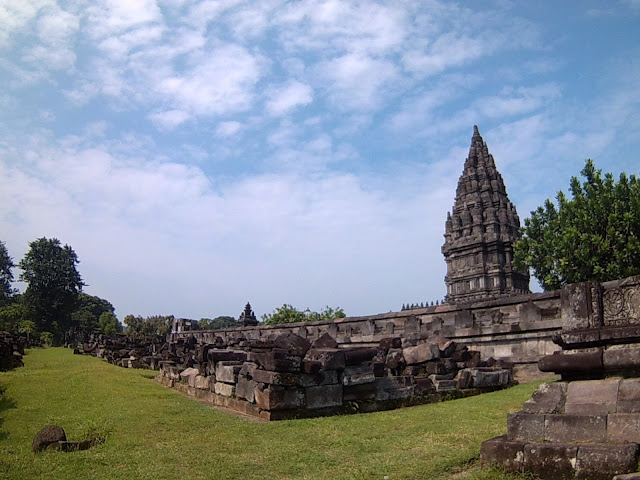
247	369
327	358
358	355
549	461
326	377
245	388
424	386
623	427
325	341
463	379
627	476
390	342
395	358
592	397
364	391
602	461
421	353
224	389
503	453
356	375
629	396
525	427
227	371
577	306
487	379
277	360
548	398
278	398
445	385
201	382
323	396
188	372
621	359
292	343
392	388
562	428
285	379
214	355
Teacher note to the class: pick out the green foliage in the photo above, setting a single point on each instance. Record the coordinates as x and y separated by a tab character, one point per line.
137	326
288	314
109	324
592	236
6	276
12	315
47	338
85	317
146	427
53	284
223	321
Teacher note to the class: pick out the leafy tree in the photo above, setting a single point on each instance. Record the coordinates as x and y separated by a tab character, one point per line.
109	324
592	236
133	325
288	314
53	284
223	321
154	325
12	315
87	313
28	327
6	276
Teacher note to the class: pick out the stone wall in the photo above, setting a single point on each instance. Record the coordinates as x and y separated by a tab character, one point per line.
518	329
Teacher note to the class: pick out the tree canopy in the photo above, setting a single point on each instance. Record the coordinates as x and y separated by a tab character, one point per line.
137	326
592	236
86	315
6	276
222	321
289	314
53	284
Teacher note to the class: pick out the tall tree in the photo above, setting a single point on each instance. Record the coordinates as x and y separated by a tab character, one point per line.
288	314
86	315
54	284
592	236
6	276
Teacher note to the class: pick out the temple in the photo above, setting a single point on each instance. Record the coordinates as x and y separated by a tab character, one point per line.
480	232
247	317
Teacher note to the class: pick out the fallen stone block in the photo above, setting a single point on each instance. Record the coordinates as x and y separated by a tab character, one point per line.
395	359
285	379
245	388
358	355
224	389
357	375
292	343
278	398
277	360
46	436
201	382
323	396
421	353
548	398
228	371
487	379
214	355
362	392
327	358
325	341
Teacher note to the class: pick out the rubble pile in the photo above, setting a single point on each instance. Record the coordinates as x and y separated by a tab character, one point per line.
11	351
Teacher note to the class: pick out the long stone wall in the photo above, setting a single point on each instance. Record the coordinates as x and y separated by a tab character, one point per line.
518	329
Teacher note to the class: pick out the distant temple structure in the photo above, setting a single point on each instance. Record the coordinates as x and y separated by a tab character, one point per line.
247	317
480	232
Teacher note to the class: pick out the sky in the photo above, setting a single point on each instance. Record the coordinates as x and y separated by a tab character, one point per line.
199	154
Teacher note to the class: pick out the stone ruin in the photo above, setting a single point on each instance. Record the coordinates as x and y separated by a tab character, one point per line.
11	351
287	376
587	424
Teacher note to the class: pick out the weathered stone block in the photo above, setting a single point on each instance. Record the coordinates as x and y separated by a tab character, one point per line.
548	398
391	388
323	396
364	391
292	343
445	385
562	428
390	342
592	397
187	373
502	452
277	378
548	461
621	359
356	375
486	379
623	427
326	377
424	386
358	355
247	369
225	389
421	353
245	388
327	358
525	427
602	461
214	355
278	398
227	371
577	302
629	396
395	359
277	360
325	341
201	382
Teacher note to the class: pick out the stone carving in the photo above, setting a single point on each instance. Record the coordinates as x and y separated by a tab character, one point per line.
480	232
622	306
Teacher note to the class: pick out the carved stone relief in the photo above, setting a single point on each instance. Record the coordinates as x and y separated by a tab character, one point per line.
622	306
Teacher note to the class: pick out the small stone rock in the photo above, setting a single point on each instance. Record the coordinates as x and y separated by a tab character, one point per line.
48	435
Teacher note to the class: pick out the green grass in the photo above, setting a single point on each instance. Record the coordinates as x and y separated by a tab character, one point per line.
153	432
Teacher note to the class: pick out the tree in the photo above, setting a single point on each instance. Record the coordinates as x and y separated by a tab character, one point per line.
222	321
53	284
109	324
288	314
89	308
12	315
592	236
6	276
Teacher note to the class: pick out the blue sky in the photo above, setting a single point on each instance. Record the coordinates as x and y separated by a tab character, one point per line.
200	154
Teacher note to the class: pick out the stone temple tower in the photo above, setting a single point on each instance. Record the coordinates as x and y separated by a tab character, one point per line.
480	232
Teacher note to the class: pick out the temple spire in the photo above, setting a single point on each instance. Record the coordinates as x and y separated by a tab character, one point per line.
480	231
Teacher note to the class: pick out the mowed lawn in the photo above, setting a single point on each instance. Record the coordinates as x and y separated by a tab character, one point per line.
153	432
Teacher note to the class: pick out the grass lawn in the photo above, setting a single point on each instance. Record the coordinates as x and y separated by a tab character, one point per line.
155	433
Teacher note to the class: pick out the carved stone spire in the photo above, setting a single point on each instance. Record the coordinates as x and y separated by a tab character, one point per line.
480	231
247	317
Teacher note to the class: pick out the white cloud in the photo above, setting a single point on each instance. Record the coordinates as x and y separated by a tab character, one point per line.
221	81
286	97
16	14
169	119
228	129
